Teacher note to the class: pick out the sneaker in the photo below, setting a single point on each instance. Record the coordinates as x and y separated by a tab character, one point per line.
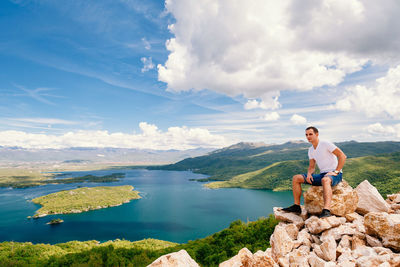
294	208
325	213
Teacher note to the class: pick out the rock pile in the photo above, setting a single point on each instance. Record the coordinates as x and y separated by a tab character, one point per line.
364	232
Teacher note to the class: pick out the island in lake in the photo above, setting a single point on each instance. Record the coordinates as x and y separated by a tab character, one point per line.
84	199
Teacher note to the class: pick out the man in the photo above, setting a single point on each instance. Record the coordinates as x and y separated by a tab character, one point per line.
330	160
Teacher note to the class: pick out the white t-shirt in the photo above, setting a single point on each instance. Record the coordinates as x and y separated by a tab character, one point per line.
326	160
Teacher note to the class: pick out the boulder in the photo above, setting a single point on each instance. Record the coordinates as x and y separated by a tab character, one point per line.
316	225
246	258
338	232
292	230
328	248
369	199
298	258
281	243
353	216
288	217
372	241
176	259
303	239
357	242
344	199
394	198
385	226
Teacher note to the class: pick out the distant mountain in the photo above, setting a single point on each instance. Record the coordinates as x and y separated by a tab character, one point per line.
225	163
79	155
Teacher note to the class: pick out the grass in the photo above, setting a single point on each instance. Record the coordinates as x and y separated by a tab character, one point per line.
84	199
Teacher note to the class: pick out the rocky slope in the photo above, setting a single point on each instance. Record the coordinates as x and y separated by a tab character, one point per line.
364	231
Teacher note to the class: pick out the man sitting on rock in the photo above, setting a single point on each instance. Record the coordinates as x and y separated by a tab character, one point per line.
330	160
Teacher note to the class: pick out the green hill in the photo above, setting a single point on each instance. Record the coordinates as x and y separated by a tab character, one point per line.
382	171
223	164
209	251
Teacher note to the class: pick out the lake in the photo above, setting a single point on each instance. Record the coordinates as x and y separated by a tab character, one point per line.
172	208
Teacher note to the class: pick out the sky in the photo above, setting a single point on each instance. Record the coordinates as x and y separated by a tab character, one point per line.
181	74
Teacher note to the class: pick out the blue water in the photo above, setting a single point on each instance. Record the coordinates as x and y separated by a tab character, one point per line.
172	208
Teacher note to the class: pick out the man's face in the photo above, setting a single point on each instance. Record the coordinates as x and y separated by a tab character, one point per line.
311	136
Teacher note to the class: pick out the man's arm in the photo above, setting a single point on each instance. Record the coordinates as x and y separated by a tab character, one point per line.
311	169
341	160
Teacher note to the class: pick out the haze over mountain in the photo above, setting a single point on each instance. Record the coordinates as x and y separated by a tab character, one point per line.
13	155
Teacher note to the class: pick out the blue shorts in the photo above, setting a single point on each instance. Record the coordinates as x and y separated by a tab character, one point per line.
318	177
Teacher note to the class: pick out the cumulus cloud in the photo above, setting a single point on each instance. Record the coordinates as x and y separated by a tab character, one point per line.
147	64
381	99
151	137
272	116
298	120
380	130
271	103
257	49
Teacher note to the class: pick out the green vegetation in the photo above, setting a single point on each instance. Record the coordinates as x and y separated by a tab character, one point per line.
22	178
84	199
382	171
209	251
223	164
16	177
56	221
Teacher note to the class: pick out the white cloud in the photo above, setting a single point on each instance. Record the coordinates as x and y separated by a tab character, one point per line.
298	120
271	103
147	64
255	50
380	130
381	99
150	138
272	116
146	43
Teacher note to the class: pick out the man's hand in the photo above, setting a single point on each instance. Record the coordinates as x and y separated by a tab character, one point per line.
309	178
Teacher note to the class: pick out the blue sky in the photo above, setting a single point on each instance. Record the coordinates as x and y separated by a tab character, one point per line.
182	74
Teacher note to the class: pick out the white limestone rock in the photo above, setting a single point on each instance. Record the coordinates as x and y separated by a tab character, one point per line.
353	216
395	198
292	230
246	258
385	226
303	238
369	199
176	259
281	243
373	241
328	248
288	217
338	232
344	199
316	225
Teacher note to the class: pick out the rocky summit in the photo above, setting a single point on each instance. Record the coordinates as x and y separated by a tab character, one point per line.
357	235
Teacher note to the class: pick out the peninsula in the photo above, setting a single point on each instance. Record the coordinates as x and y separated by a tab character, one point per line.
84	199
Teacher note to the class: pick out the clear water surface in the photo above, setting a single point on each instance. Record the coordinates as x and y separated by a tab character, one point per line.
172	208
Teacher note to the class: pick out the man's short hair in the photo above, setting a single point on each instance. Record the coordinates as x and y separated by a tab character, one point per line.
315	130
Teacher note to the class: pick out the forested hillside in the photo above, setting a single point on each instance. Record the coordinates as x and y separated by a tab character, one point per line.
242	158
382	171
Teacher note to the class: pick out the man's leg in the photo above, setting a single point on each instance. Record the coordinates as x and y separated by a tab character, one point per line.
296	187
326	185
